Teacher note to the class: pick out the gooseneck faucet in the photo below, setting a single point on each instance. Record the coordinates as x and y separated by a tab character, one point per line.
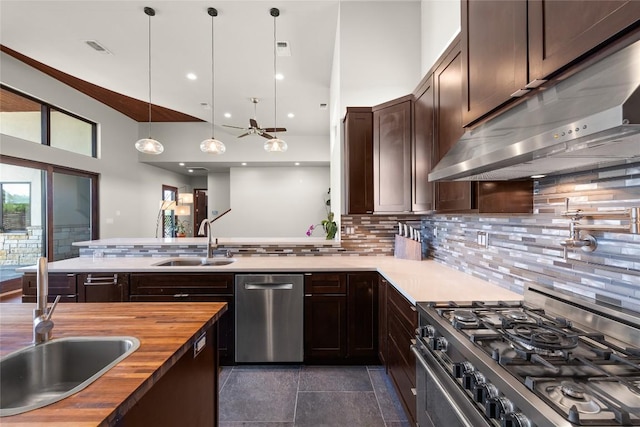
207	226
42	323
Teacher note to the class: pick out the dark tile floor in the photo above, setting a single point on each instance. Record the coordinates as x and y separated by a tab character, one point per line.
279	396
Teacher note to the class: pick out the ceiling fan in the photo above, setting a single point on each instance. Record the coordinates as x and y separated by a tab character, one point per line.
253	128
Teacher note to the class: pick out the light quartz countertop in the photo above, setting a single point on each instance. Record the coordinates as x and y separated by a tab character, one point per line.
186	241
416	280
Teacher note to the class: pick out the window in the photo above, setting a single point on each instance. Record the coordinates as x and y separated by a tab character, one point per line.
35	121
16	206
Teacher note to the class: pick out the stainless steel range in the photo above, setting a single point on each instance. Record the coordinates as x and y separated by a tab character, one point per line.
553	359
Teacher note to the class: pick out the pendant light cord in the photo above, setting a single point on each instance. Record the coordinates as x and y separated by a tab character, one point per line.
149	68
213	78
275	82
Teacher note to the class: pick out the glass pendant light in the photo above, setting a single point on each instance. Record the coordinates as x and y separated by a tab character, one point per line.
275	144
212	145
149	145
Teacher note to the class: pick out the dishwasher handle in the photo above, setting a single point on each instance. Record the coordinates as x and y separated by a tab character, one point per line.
262	286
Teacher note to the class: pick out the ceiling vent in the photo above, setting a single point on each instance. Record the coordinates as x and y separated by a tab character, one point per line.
283	49
197	168
98	47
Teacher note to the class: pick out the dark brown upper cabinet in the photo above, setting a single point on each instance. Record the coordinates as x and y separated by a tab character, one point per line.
497	68
450	196
561	32
358	140
511	47
422	147
392	156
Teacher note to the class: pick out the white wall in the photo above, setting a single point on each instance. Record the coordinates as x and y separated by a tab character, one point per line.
379	51
440	25
218	193
273	201
129	191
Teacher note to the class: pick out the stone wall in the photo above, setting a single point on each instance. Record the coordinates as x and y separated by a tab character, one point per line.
21	248
25	248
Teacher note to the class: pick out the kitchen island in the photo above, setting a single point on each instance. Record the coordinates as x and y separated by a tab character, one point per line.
161	383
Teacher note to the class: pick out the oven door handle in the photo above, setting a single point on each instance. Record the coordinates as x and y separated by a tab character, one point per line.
432	375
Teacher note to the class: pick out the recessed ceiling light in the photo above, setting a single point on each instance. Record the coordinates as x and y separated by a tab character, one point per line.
244	164
279	76
227	115
181	164
297	163
190	170
291	115
192	76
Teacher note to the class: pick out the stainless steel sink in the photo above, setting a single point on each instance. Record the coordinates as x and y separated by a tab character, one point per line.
190	262
43	374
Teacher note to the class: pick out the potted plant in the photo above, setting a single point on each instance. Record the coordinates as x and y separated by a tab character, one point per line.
181	228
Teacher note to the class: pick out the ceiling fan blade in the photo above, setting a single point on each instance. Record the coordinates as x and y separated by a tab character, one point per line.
235	127
244	134
266	135
275	129
253	123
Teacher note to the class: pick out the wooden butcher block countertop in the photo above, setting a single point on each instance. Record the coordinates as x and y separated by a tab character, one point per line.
166	332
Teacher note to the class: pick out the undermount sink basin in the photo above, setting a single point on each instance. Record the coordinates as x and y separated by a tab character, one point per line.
46	373
190	262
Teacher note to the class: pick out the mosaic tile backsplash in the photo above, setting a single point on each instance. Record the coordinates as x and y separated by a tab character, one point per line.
524	249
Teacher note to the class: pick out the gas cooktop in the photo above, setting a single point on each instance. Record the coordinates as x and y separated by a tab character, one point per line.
582	373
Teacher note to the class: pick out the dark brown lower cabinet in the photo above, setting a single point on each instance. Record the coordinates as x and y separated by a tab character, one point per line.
103	287
325	317
186	395
382	320
402	320
325	328
362	315
341	318
63	284
192	287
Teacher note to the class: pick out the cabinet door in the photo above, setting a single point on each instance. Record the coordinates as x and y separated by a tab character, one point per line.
63	284
325	328
422	148
494	57
362	317
392	158
382	320
103	287
562	31
358	137
450	196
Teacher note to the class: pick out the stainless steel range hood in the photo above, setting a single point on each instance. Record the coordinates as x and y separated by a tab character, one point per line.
589	120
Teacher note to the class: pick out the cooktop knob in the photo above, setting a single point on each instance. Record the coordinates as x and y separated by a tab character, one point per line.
482	392
430	331
496	406
515	419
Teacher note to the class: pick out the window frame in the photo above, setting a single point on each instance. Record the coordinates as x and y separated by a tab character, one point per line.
45	121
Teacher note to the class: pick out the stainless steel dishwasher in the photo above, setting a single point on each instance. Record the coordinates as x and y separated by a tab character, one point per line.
269	318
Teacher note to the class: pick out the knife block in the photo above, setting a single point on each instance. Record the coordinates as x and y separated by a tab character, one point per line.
407	249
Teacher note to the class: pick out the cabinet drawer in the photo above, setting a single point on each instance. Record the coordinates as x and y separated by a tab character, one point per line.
325	283
51	298
180	283
405	311
59	284
400	339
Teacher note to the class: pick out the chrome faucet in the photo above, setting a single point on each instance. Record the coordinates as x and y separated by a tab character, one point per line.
42	323
210	245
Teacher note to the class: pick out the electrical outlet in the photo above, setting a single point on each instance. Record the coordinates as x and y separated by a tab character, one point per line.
482	239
